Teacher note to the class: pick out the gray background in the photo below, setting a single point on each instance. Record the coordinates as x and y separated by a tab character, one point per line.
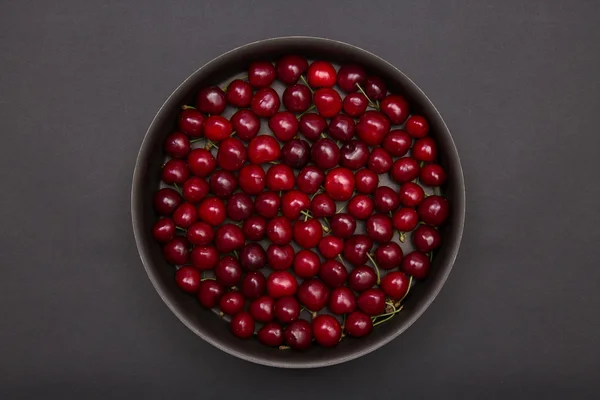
517	83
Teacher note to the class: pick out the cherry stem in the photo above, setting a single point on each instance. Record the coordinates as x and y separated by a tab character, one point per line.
243	78
306	83
389	315
402	236
208	279
181	229
376	268
210	144
308	110
405	294
232	133
284	347
371	104
307	215
342	261
195	140
186	107
431	256
178	189
235	254
341	209
314	194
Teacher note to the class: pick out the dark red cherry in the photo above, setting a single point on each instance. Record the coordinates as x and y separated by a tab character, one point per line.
229	237
371	301
325	153
254	285
349	76
397	143
372	127
375	88
405	169
164	230
279	230
330	247
328	102
313	294
354	154
293	203
311	125
388	255
405	219
322	206
417	126
191	122
242	325
188	279
284	125
217	128
386	199
245	124
416	264
326	330
357	248
432	175
166	200
222	183
266	204
362	278
395	285
232	303
360	206
333	273
298	335
201	162
251	179
380	161
232	154
265	102
379	228
308	234
425	149
177	145
239	93
195	189
253	257
366	181
280	284
341	127
342	225
261	74
339	183
296	153
271	334
396	108
434	210
286	309
280	258
209	293
200	234
321	74
185	215
261	309
297	98
228	271
204	258
411	194
175	171
211	100
239	206
212	211
358	324
306	264
280	177
255	228
342	301
263	149
425	238
289	68
309	179
355	104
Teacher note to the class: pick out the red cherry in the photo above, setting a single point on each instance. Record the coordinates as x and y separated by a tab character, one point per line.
279	230
212	211
372	127
360	206
271	334
434	210
201	162
265	102
263	149
322	206
308	234
432	175
280	258
425	238
298	335
177	145
287	309
266	204
330	246
222	183
416	264
239	206
204	258
228	271
339	183
164	230
232	303
175	171
375	88
281	283
397	143
295	153
405	219
306	264
321	74
245	124
358	324
341	127
362	278
379	228
342	225
242	325
239	93
389	255
357	248
284	125
253	257
195	189
333	273
380	161
313	294
411	194
328	102
211	100
342	301
261	309
366	181
371	302
185	215
354	154
200	234
325	153
417	126
232	154
290	68
255	227
405	169
425	149
386	199
311	125
309	179
188	279
253	285
355	104
297	98
327	330
349	76
396	108
209	293
166	200
229	237
280	177
217	128
251	179
261	74
293	203
395	285
176	251
191	122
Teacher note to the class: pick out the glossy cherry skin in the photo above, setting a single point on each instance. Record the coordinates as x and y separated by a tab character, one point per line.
411	194
322	206
191	122
211	100
266	204
425	238
175	171
342	225
362	278
372	127
341	127
280	177
313	294
366	181
242	325
325	153
232	154
279	230
306	264
271	334
326	330
245	124
284	125
342	301
371	301
209	293
355	104
328	102
386	199
289	68
251	179
425	149
388	255
395	285
286	309
163	230
293	203
200	234
217	128
405	219
333	273
311	125
358	324
239	206
375	88
280	258
229	237
297	98
261	74
195	189
232	303
360	206
166	200
330	246
309	179
254	285
222	183
263	149
308	234
354	154
397	143
296	153
405	169
432	175
349	76
280	284
265	102
417	126
252	257
201	162
321	74
261	309
228	271
356	249
212	211
177	145
255	228
380	161
434	210
396	108
204	258
416	264
379	228
188	279
339	183
185	215
239	93
298	335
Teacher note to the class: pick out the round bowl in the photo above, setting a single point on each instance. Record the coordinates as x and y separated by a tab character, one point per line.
146	180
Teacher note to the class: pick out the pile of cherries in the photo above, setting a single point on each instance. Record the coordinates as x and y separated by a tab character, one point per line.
276	211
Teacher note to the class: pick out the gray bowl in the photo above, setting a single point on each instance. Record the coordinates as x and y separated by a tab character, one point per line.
146	181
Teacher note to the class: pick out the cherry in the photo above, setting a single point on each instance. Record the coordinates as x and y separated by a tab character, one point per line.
366	181
163	230
251	179
388	256
342	301
261	74
166	200
175	171
322	206
280	258
209	293
284	125
425	238
405	219
297	98
325	153
255	227
266	204
229	237
355	104
327	330
253	285
395	285
425	149
195	189
339	183
386	199
253	257
306	264
222	183
245	124
333	273
293	203
379	228
281	283
313	294
331	246
321	74
217	128
286	309
360	206
201	162
372	127
263	149
397	143
239	93
434	210
416	264
411	194
271	334
280	177
362	278
289	68
308	234
185	215
371	301
357	248
432	175
188	279
354	154
261	309
200	234
177	145
349	76
380	161
231	155
232	303
239	206
341	127
358	324
309	179
242	325
279	230
211	100
265	102
405	169
191	122
212	211
328	102
204	258
417	126
298	335
311	125
342	225
396	108
295	153
228	271
375	88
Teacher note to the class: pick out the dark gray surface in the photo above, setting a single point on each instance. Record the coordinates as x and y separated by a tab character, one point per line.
518	86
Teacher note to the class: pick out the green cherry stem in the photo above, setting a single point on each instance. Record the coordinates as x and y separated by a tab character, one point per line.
186	107
178	189
402	236
371	104
181	229
309	110
306	83
376	267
